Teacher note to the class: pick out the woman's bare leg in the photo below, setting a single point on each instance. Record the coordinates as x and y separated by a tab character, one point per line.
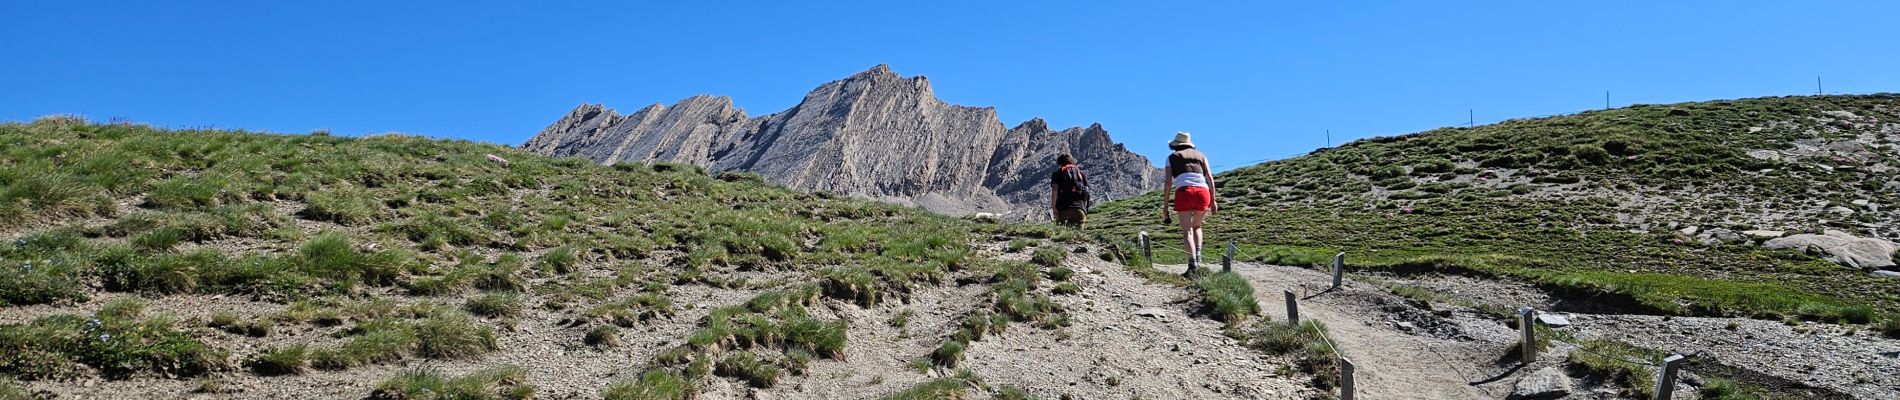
1191	232
1200	217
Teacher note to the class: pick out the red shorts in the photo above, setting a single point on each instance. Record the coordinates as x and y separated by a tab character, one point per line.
1193	198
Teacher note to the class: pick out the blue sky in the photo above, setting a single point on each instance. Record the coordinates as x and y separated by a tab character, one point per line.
1251	80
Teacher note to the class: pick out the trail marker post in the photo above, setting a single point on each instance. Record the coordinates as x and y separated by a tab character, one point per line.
1147	252
1525	316
1666	377
1339	268
1345	378
1292	308
1227	260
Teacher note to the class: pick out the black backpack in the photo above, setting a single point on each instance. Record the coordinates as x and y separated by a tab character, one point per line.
1075	182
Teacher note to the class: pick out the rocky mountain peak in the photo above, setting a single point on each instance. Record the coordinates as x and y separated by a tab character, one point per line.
874	134
1036	125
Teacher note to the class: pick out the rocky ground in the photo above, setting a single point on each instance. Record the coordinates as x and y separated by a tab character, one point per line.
1450	347
1130	338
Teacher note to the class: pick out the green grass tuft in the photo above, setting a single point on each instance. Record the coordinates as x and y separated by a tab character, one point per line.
1227	297
1048	256
118	341
499	383
749	367
652	385
603	337
453	336
495	304
287	360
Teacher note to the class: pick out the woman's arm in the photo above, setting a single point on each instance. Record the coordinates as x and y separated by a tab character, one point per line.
1167	188
1211	196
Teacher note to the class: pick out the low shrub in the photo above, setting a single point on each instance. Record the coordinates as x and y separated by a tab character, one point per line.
117	341
39	281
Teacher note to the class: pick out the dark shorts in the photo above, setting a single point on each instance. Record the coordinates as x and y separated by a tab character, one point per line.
1071	216
1193	198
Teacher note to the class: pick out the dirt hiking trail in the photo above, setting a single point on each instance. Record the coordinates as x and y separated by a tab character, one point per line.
1398	354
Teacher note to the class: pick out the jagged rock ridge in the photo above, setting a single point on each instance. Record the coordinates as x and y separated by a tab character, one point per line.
874	134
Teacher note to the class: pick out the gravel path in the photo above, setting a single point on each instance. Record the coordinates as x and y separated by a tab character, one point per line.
1392	362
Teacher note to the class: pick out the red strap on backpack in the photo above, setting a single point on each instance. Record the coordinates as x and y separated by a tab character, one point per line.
1075	176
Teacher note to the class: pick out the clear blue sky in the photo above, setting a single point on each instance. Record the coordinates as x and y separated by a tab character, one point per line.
1252	80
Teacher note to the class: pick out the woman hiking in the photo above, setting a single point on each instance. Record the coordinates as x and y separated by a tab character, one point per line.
1190	185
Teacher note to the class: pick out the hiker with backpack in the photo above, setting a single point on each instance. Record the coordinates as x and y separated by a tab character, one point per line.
1190	186
1069	192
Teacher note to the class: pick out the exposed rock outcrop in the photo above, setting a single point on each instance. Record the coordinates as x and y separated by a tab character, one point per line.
1841	247
1547	383
874	134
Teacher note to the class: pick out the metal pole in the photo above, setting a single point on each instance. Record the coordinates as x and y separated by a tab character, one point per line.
1329	138
1524	317
1339	268
1345	378
1471	118
1666	377
1147	251
1292	308
1227	260
1606	99
1817	86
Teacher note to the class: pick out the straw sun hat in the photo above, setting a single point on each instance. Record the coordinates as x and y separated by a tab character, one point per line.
1180	139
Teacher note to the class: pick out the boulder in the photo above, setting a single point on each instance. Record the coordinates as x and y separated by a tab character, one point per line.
1842	248
1717	236
1887	274
1764	234
1547	383
1554	320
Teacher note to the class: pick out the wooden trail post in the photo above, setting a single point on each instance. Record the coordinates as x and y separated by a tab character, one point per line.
1292	308
1339	268
1147	252
1227	260
1345	378
1525	317
1666	377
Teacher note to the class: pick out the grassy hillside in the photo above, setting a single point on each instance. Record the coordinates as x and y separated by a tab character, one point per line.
1596	203
351	252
